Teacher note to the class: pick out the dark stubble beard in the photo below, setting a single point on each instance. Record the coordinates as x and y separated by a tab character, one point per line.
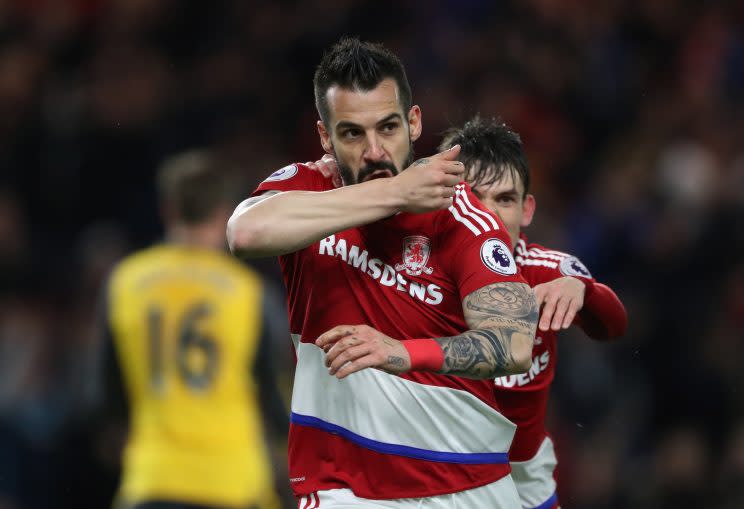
347	175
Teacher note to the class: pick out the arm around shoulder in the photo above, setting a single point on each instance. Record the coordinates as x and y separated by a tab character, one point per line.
281	223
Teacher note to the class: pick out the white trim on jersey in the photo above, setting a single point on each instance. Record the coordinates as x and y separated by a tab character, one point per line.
490	218
526	261
463	202
464	221
392	410
465	210
539	253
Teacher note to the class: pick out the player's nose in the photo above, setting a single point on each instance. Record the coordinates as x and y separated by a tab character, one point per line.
374	150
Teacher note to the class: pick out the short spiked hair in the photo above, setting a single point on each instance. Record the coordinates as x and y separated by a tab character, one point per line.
356	65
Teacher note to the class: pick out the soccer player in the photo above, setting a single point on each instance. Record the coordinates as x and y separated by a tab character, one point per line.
402	271
187	354
496	168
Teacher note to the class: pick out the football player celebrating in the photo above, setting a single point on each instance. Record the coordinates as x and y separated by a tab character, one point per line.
399	269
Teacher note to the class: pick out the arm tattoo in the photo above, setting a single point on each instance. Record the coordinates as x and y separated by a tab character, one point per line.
477	353
498	315
421	161
396	361
510	299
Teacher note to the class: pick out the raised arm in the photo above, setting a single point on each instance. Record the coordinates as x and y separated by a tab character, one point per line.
277	223
502	318
281	223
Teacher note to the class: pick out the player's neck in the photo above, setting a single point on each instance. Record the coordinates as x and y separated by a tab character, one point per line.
200	236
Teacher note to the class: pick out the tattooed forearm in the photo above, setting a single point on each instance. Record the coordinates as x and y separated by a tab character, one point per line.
478	353
510	299
503	319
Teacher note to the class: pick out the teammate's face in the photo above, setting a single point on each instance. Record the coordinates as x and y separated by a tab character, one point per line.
506	198
369	134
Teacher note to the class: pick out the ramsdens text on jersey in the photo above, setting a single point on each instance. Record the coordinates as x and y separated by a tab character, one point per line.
378	270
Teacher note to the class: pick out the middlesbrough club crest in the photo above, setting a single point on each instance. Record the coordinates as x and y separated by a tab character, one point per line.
416	251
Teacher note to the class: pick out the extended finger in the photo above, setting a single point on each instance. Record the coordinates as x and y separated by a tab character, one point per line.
547	313
340	347
349	355
560	313
448	155
571	313
331	336
367	361
453	168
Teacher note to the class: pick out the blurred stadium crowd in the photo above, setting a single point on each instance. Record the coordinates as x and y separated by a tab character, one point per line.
632	113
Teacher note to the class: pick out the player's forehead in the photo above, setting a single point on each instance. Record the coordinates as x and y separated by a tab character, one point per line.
509	180
365	108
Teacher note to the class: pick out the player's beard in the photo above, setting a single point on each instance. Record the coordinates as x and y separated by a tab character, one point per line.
347	174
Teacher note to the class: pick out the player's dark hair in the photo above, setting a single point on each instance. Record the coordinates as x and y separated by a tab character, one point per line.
356	65
488	149
194	184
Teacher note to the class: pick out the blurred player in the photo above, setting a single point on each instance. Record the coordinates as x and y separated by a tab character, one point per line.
496	168
400	271
187	351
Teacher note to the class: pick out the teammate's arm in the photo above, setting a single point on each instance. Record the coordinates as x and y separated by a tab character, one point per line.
502	318
592	306
281	223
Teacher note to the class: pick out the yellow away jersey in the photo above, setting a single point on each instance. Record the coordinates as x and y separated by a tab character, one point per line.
186	326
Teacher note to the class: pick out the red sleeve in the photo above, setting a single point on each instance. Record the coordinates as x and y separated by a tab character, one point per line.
294	177
603	315
475	243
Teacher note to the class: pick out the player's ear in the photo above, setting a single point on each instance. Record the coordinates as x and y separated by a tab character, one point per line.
528	210
325	137
414	122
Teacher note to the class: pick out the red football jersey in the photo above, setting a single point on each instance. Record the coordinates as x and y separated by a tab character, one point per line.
384	436
523	398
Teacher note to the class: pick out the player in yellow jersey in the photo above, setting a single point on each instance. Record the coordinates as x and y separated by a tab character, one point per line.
187	352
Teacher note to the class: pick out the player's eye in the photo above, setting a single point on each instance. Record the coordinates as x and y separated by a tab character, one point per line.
506	200
389	127
350	134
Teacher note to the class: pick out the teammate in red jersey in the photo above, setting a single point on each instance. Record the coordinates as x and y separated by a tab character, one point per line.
387	272
496	168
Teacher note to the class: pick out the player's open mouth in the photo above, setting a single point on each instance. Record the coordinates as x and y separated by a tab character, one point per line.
378	174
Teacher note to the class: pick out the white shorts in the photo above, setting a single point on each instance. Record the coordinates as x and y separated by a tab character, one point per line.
534	478
498	495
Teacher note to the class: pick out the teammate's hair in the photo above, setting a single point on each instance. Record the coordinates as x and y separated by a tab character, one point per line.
356	65
194	184
488	149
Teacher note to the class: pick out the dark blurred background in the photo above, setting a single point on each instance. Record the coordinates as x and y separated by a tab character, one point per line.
632	113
